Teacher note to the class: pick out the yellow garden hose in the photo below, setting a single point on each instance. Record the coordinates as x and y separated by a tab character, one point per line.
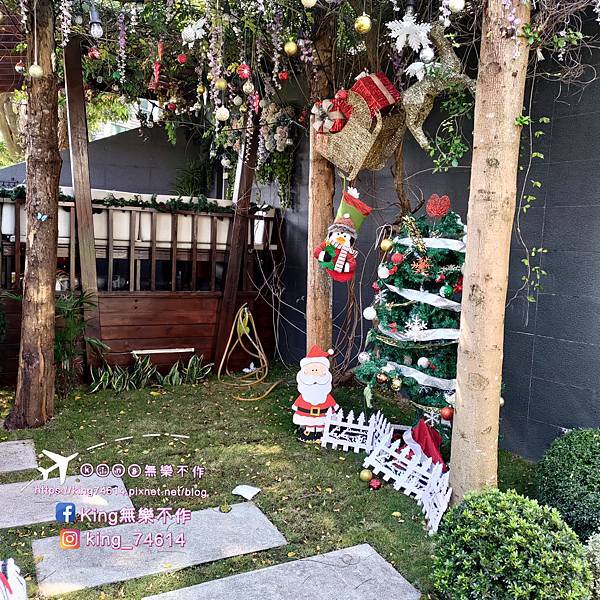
244	331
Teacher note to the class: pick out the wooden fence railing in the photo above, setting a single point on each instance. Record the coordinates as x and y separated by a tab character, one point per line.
140	248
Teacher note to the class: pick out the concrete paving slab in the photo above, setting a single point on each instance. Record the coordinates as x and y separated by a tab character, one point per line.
17	456
210	535
35	502
356	573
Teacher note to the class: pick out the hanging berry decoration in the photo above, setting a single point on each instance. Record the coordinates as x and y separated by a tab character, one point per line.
283	75
437	206
397	258
243	71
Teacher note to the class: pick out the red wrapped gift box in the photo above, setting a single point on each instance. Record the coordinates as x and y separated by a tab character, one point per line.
378	91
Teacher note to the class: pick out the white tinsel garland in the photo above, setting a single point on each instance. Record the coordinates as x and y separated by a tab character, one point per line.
426	298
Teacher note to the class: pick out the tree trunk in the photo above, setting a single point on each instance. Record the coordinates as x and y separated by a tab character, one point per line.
9	127
321	186
492	201
34	402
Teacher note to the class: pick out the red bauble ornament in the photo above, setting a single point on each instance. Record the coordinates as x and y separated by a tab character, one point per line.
375	483
437	206
447	413
171	106
243	71
182	59
440	278
375	286
93	53
283	75
397	258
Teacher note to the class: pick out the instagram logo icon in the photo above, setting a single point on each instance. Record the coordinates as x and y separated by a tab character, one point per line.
69	539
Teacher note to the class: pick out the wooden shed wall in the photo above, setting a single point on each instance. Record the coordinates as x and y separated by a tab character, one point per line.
149	321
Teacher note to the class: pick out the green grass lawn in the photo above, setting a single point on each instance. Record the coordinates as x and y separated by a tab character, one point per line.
312	495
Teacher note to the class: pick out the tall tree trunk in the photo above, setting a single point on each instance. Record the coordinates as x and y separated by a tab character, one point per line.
492	201
34	402
321	185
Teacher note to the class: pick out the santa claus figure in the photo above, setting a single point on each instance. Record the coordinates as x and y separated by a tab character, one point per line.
336	253
315	399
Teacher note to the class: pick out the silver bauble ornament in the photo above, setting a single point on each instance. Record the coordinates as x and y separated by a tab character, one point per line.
248	87
238	100
456	6
369	313
222	113
427	55
383	272
363	357
36	71
423	362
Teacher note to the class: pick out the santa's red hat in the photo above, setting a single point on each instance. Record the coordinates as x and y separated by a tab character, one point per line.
316	355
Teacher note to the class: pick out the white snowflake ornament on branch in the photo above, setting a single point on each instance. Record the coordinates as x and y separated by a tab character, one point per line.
408	32
414	326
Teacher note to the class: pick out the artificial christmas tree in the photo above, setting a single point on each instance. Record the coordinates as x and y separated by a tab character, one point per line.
416	312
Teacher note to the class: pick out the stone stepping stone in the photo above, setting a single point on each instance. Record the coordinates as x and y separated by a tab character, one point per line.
36	502
17	456
210	535
356	573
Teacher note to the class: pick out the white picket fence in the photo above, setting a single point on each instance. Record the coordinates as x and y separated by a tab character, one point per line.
410	472
353	435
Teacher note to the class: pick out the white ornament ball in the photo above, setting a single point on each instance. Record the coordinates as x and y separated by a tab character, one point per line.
222	113
369	313
308	3
427	55
263	103
383	272
456	6
238	100
248	87
423	362
363	357
36	71
501	401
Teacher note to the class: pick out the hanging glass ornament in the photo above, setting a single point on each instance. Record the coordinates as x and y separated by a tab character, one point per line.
238	101
248	87
308	3
35	71
456	6
383	272
221	84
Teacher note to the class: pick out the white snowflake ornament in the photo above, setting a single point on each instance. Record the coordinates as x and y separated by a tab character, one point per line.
408	32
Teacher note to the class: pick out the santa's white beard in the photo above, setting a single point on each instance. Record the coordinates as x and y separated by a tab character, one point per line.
314	389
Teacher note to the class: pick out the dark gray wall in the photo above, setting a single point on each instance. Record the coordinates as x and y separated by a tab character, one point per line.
552	351
140	161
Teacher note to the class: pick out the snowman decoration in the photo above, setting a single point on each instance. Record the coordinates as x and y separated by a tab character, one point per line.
336	253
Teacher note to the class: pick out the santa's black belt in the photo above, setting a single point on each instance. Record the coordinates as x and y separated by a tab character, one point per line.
313	412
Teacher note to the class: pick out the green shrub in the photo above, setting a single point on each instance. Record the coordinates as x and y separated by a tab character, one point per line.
568	478
593	548
501	545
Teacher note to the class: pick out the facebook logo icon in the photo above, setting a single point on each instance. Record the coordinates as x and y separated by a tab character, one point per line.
65	512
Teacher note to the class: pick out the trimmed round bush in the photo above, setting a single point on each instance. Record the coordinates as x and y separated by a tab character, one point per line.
593	549
568	478
501	545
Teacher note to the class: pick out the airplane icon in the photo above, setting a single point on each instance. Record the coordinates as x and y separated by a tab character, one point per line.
61	463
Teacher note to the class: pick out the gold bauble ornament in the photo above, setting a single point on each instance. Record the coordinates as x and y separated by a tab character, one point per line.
363	24
201	88
210	76
366	475
243	108
221	84
386	245
290	48
308	3
396	383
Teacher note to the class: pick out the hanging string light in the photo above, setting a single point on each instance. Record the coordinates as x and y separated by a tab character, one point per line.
96	30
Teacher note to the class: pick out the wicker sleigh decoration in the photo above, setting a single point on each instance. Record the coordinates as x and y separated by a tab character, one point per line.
365	142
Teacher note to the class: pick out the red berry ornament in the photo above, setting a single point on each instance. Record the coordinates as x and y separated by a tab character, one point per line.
171	106
182	59
447	413
437	206
283	76
375	483
243	71
397	258
375	286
